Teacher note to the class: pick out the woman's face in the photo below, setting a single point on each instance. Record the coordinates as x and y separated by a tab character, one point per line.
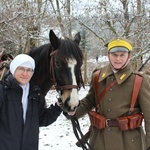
23	75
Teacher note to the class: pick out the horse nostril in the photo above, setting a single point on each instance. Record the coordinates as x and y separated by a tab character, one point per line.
75	108
66	106
69	108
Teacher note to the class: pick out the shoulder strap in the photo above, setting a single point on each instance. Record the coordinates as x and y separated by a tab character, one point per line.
136	89
96	75
99	97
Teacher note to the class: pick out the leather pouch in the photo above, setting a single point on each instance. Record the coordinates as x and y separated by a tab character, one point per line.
123	123
97	120
135	120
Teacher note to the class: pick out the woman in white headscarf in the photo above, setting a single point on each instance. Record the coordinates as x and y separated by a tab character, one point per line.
22	107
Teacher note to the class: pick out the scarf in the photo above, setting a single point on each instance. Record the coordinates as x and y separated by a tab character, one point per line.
25	89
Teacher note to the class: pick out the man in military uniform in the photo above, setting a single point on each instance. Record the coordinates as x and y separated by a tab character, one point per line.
115	104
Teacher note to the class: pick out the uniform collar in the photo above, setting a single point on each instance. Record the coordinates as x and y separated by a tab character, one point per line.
120	76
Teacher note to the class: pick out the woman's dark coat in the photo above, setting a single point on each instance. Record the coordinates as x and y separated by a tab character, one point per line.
14	134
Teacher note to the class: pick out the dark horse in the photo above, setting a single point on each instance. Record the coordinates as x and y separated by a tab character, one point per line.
59	63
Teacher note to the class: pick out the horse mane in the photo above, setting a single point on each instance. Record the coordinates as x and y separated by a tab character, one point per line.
68	49
41	56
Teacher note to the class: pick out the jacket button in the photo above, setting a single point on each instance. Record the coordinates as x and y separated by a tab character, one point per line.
110	89
108	110
109	99
109	129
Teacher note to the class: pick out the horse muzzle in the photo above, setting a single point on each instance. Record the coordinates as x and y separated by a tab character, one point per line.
67	106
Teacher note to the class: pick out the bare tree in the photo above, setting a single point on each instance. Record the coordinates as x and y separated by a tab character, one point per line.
25	24
20	24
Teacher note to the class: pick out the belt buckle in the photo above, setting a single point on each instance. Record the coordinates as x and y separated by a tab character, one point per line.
107	122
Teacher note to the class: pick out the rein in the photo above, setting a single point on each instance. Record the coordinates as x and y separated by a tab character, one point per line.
82	140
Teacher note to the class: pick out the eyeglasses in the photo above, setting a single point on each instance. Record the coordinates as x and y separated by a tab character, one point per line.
22	70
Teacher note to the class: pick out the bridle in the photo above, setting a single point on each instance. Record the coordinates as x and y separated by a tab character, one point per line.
64	87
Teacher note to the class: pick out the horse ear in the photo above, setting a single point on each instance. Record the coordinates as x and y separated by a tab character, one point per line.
77	38
55	42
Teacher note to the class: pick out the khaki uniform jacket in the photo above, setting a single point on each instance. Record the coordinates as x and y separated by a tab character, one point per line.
114	104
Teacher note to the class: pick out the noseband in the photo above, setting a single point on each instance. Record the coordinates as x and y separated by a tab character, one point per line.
58	87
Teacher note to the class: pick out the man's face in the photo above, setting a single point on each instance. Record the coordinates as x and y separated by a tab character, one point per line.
118	59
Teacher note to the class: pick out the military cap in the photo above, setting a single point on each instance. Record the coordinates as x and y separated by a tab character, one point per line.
119	45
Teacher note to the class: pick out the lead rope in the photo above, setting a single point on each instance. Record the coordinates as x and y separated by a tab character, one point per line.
77	130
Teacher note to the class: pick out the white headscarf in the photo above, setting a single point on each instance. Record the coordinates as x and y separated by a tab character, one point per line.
23	60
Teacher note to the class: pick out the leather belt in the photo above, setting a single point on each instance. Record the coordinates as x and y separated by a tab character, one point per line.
112	123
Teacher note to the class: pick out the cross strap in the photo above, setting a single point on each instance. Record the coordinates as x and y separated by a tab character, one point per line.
99	97
136	89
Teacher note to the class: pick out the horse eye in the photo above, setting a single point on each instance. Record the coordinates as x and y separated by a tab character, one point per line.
57	63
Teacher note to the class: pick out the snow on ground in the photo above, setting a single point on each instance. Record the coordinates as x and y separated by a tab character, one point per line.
60	135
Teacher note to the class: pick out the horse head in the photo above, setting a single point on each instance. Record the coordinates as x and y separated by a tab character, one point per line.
59	64
66	62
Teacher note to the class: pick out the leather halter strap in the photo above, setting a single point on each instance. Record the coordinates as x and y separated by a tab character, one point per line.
52	66
64	87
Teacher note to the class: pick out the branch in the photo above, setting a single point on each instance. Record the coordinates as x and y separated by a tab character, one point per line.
111	27
11	19
90	30
142	66
128	27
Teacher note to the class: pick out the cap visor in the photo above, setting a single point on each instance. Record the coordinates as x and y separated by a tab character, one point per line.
118	49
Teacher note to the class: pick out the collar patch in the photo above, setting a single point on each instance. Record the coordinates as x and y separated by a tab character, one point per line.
104	74
123	76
